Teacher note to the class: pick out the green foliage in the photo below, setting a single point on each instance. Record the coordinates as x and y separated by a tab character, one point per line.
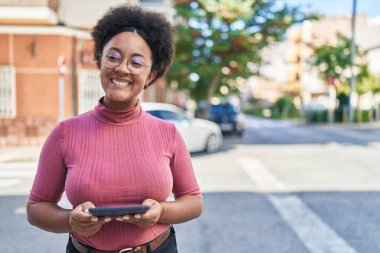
340	116
368	82
333	63
218	42
317	116
285	108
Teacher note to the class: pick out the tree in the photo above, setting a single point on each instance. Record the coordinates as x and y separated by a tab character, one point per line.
218	42
333	63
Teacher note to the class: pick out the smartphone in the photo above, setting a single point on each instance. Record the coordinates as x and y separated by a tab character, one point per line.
112	211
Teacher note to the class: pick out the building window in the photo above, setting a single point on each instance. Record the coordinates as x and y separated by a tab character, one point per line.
7	92
90	90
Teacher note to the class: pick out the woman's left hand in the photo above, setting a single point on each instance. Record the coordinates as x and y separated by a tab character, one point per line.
148	219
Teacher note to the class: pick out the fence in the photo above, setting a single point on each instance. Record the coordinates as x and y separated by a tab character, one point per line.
89	90
7	92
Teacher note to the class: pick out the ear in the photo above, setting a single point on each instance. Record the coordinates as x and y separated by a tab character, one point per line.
151	76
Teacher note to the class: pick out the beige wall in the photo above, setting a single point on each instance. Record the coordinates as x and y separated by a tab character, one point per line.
35	60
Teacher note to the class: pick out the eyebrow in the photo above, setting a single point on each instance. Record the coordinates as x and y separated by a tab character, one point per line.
120	52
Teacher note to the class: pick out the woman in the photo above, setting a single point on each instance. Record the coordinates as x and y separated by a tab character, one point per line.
117	154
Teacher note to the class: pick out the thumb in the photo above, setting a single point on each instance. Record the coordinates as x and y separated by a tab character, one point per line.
149	202
87	205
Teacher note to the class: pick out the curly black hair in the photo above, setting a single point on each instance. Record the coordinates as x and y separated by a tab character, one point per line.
153	27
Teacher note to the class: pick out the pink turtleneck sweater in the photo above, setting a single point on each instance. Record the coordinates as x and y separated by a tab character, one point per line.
114	158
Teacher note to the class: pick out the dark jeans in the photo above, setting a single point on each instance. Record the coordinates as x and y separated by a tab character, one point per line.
168	246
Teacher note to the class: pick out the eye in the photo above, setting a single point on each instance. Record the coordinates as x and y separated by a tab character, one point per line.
113	56
137	62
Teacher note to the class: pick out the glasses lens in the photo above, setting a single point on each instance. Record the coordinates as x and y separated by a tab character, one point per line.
136	64
112	59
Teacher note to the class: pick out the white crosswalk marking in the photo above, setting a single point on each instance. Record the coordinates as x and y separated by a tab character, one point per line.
18	166
7	183
20	210
17	173
16	178
314	233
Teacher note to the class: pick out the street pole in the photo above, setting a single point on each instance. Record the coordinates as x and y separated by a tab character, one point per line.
352	78
62	70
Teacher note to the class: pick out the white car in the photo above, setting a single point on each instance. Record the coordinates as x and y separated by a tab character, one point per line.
198	134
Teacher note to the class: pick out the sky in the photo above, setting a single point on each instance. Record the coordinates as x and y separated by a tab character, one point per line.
340	7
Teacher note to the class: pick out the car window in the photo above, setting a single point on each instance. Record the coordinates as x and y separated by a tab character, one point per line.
222	110
166	115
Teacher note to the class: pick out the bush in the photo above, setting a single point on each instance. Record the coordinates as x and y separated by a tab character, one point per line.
317	116
321	116
285	108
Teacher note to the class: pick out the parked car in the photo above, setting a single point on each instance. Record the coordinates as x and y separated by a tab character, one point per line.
198	134
229	118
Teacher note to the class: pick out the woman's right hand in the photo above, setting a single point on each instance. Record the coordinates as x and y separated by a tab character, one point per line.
83	223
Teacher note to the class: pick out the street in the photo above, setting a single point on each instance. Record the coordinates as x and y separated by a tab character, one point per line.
282	187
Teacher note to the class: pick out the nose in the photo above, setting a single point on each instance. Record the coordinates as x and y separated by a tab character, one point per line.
123	67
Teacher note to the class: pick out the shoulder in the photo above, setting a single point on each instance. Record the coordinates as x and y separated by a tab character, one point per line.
72	124
77	119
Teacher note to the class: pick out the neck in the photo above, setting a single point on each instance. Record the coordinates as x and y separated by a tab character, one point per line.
119	107
113	117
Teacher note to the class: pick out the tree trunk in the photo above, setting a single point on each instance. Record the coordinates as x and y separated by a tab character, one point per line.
210	93
359	110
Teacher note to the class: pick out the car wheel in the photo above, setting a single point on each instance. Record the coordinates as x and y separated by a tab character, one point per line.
239	132
212	144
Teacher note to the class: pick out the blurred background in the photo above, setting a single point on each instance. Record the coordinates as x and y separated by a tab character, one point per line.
293	85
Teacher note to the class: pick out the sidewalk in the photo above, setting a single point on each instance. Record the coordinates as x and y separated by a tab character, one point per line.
24	154
359	126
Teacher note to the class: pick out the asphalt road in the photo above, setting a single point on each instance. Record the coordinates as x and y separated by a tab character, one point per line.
283	187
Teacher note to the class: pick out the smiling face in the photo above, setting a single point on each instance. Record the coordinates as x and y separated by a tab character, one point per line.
121	87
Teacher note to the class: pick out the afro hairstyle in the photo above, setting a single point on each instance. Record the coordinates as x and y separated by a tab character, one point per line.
153	27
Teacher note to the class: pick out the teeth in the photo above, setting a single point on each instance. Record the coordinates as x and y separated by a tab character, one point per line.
120	82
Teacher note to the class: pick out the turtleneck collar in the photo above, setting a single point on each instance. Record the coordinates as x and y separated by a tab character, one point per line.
117	118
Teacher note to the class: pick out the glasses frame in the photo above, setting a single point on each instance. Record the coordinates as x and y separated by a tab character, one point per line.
121	62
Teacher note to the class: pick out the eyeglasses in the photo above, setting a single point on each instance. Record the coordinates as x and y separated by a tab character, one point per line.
112	59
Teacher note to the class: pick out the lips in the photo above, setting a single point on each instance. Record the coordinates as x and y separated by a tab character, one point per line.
118	82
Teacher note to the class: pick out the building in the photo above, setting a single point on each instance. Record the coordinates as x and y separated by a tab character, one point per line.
289	73
47	71
325	31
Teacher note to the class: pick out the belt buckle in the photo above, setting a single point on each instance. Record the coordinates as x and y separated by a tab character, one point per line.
137	249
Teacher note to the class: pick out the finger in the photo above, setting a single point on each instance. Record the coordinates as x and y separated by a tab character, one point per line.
100	219
81	211
126	217
106	219
84	224
154	211
87	205
149	202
